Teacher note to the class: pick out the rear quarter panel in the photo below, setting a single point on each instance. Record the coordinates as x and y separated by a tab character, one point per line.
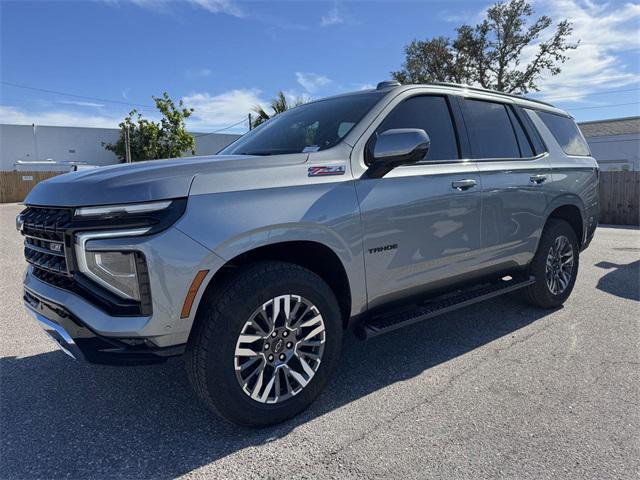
574	181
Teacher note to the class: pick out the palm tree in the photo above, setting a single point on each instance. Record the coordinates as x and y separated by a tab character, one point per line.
278	105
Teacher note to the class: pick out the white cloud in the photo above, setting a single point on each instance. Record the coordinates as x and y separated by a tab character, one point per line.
197	73
462	16
229	7
81	103
335	16
365	86
211	112
220	6
219	111
311	82
605	31
61	118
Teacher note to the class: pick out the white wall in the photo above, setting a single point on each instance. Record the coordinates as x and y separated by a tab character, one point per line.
616	152
76	144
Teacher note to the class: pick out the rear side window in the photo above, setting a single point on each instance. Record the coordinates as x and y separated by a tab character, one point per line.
430	113
566	133
490	130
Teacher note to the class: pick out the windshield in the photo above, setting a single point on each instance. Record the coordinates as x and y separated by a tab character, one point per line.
307	128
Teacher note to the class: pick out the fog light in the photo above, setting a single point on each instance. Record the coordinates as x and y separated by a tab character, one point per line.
115	270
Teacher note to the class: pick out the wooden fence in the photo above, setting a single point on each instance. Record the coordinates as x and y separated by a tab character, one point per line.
620	198
619	193
14	186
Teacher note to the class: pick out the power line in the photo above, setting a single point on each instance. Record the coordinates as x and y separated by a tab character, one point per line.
98	99
610	141
221	129
581	83
602	92
605	106
84	97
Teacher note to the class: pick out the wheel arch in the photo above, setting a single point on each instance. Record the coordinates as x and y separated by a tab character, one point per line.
312	255
570	209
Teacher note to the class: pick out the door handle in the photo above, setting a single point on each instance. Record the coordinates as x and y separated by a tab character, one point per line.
461	185
538	179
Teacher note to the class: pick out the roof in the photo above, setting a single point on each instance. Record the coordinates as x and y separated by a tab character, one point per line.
457	89
613	126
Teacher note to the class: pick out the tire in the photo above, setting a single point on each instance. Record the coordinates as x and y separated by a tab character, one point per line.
543	293
216	354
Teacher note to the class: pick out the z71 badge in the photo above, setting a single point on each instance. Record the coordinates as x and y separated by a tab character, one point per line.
326	171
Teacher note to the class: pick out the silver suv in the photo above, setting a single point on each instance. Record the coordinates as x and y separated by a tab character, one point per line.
370	211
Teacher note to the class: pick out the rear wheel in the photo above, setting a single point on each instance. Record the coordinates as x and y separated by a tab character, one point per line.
555	265
265	343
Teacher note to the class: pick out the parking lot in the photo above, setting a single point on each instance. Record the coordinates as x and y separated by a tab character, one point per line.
494	390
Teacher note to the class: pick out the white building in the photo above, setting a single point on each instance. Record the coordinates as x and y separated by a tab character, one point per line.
615	143
44	148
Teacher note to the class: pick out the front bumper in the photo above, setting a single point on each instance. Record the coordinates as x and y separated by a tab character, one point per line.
81	343
100	336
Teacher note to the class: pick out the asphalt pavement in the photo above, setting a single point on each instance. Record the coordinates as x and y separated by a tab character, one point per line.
496	390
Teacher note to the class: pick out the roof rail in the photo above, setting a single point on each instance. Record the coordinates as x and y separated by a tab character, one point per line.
479	89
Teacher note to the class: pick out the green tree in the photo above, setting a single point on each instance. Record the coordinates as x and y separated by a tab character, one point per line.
278	105
503	52
150	140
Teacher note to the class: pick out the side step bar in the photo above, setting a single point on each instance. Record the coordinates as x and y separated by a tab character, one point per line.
387	322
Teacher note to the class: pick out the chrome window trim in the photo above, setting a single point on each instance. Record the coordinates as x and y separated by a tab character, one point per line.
80	248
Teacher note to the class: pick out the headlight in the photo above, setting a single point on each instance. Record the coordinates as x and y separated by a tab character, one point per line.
157	215
119	210
115	270
122	272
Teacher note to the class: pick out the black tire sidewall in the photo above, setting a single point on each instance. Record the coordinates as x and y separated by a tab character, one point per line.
539	293
223	388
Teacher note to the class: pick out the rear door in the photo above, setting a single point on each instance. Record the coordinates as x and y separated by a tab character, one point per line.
421	223
515	173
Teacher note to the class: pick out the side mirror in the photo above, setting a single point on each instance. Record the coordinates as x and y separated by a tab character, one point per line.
400	146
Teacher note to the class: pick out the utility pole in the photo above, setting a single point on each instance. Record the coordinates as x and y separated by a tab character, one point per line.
250	122
35	143
127	145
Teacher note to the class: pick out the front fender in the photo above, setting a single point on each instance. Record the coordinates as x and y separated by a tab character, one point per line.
232	223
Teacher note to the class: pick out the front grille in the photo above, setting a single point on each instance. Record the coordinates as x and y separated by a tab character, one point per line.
60	281
48	248
44	243
46	223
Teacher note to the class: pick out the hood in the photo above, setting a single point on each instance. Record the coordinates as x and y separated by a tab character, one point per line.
143	181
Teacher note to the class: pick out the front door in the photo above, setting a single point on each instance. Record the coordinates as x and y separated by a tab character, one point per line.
421	223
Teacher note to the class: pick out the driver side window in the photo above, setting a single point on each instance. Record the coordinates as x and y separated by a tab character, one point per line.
432	114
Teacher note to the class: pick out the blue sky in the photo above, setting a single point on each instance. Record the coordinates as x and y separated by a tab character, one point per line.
223	56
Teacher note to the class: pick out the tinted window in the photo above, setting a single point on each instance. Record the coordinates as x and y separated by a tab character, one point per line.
523	141
309	127
430	113
566	133
490	130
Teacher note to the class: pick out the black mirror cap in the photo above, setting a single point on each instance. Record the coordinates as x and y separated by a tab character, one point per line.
400	146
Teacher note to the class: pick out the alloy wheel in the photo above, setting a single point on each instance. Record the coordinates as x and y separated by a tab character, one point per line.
279	349
559	265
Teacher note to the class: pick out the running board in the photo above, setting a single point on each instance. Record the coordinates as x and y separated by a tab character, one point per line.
378	325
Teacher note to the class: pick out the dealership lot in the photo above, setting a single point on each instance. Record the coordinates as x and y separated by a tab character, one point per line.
494	390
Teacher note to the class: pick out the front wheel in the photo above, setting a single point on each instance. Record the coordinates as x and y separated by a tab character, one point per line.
265	343
555	265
